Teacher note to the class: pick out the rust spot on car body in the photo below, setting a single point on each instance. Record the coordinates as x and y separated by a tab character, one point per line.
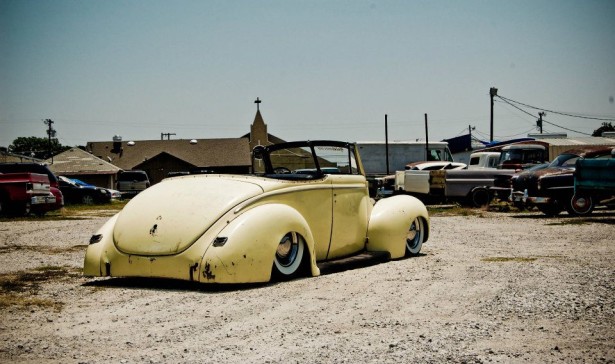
193	269
152	231
207	272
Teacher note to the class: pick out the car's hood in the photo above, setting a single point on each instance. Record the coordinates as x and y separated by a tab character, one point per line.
553	171
168	217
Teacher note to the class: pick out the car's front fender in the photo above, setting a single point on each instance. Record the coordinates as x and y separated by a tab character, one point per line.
389	223
94	260
244	251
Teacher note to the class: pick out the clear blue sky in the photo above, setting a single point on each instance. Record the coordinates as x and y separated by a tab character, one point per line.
323	69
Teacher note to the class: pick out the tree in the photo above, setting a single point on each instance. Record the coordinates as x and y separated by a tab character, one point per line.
36	147
606	126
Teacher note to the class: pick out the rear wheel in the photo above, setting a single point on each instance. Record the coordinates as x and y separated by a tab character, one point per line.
480	197
415	237
580	205
289	255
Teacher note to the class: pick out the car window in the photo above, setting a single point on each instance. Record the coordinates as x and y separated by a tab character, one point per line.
493	161
336	160
133	176
331	159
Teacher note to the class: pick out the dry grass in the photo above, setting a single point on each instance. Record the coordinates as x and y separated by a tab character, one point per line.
20	289
75	212
42	249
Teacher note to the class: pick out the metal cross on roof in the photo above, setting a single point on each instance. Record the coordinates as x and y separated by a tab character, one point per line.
257	102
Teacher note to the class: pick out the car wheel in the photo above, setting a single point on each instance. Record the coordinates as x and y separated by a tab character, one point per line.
552	209
580	205
480	197
87	200
415	237
289	255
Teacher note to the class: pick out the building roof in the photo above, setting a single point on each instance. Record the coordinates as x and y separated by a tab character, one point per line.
7	157
76	161
198	152
574	141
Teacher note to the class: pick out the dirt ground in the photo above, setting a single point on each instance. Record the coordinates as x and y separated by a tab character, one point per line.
489	287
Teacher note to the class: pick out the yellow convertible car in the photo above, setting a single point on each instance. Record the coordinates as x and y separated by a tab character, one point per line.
306	204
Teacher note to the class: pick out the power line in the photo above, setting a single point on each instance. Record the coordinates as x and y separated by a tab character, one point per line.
543	120
555	112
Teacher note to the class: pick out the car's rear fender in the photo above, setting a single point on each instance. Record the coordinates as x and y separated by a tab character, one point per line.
389	223
244	251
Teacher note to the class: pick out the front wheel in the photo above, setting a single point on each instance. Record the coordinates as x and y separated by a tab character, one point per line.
580	205
87	200
289	255
415	237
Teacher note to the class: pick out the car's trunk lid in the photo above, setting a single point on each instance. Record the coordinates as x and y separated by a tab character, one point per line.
167	218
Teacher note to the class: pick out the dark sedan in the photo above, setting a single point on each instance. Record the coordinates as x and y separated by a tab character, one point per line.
74	193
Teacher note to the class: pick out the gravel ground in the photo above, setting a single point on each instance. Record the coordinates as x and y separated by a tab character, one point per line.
489	287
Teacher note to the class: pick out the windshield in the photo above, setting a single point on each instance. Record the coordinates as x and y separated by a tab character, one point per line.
565	161
312	158
133	176
522	156
439	155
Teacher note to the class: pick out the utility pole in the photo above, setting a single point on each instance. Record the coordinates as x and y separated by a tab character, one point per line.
492	92
426	139
386	141
51	133
539	121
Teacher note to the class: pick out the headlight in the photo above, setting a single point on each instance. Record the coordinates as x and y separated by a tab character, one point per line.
95	238
220	241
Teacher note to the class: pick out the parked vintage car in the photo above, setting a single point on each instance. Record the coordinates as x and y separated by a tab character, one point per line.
215	228
594	183
551	189
503	185
81	193
387	184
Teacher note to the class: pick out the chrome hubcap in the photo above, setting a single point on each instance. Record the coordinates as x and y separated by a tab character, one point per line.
286	252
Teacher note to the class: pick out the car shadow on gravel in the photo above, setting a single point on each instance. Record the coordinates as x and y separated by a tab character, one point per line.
603	217
170	285
179	285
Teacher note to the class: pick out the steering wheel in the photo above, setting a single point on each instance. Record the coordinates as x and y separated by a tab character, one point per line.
281	170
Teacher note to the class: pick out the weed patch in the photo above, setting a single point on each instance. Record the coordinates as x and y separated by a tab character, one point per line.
20	288
43	249
509	259
568	222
